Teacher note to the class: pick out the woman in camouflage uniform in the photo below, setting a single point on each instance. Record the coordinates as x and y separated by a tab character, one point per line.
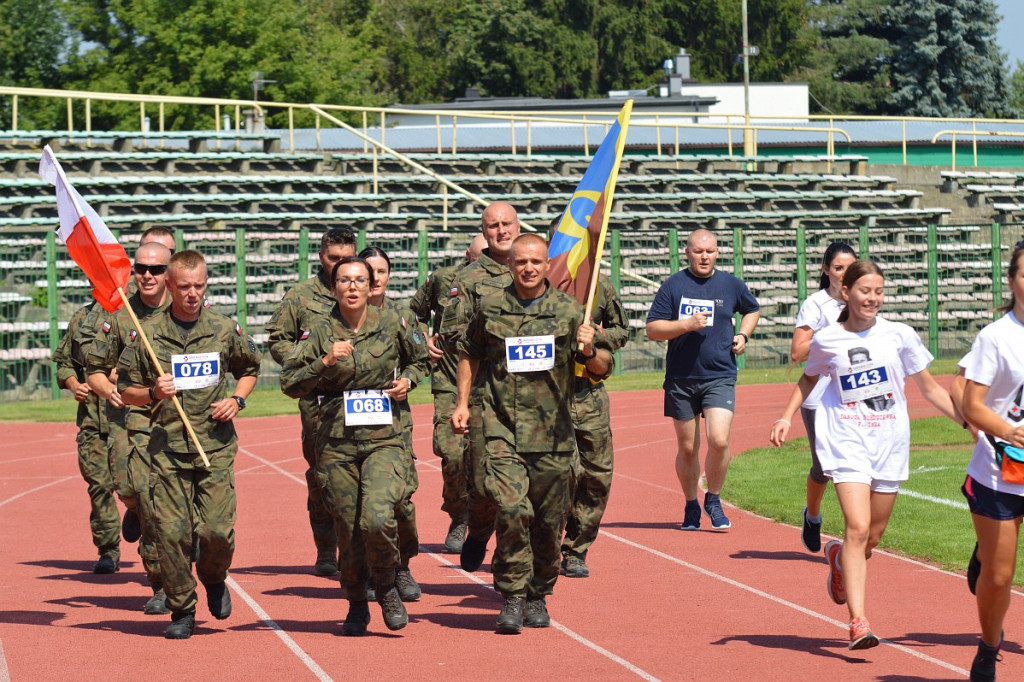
359	362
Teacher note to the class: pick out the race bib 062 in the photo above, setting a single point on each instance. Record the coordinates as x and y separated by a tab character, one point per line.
688	307
200	370
530	353
367	408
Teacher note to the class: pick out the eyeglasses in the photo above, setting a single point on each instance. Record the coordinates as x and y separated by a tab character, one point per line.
360	282
155	270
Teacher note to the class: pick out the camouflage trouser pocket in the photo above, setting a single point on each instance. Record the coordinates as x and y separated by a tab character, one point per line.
339	488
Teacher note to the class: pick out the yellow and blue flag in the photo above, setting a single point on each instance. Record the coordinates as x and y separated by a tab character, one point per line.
576	244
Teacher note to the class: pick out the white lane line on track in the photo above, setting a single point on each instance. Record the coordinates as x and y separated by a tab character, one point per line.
35	457
5	672
956	504
37	489
319	672
639	672
778	600
273	465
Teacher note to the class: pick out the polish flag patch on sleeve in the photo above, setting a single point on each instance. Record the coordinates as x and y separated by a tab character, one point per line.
304	335
454	292
106	327
238	330
133	335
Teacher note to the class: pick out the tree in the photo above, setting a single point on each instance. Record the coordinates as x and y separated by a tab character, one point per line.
945	61
848	69
1015	100
34	42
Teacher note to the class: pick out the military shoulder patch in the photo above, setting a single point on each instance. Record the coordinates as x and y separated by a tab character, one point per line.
252	345
238	330
304	335
454	292
404	325
106	327
133	335
206	303
417	337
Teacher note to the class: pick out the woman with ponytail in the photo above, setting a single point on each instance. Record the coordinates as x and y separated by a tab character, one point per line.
820	310
863	428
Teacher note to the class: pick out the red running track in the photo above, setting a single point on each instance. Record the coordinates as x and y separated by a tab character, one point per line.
660	604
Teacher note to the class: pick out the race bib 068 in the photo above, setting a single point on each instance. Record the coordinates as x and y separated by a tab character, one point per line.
530	353
688	307
367	408
200	370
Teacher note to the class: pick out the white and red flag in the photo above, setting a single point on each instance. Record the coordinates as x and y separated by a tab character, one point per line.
87	238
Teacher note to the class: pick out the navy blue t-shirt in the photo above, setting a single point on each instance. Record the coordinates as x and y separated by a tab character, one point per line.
707	353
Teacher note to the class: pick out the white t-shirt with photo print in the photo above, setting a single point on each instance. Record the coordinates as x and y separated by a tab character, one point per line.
996	360
862	422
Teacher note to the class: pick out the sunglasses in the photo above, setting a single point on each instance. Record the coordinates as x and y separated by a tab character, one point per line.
155	270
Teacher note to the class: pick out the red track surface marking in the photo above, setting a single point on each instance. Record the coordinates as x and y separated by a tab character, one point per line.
661	604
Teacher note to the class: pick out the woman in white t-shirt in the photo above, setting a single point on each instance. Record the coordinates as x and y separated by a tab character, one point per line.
992	403
863	429
821	309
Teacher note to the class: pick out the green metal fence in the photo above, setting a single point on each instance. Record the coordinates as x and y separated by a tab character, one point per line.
943	280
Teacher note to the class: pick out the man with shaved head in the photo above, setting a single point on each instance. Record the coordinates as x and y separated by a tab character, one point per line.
128	461
693	310
490	273
430	300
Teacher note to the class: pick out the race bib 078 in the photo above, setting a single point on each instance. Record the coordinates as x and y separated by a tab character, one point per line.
367	408
867	381
688	307
200	370
530	353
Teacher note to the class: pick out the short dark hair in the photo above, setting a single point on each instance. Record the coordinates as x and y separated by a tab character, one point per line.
376	252
338	235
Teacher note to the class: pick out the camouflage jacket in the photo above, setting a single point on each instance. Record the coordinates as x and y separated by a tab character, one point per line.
530	409
302	307
70	358
609	314
384	345
116	333
232	352
431	299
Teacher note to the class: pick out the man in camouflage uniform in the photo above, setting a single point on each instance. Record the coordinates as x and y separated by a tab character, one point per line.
70	358
500	225
591	422
361	467
196	348
117	332
519	351
301	307
431	299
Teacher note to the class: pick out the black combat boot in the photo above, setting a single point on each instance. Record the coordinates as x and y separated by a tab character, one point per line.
182	625
408	588
218	598
357	619
510	620
536	613
391	606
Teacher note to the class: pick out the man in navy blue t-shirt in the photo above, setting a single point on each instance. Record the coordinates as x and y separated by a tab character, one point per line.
693	311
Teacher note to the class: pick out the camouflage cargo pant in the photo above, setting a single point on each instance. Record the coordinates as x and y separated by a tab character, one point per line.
481	508
531	491
185	496
138	480
590	419
362	483
325	538
104	518
405	512
450	448
118	447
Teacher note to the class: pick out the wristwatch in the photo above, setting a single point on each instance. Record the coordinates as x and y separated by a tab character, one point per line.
240	400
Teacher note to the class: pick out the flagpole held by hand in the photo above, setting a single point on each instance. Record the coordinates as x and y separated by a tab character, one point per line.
160	371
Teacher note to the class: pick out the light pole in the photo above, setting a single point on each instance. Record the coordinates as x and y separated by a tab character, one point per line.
748	135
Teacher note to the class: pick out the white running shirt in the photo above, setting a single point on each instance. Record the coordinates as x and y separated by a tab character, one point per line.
869	432
996	360
817	312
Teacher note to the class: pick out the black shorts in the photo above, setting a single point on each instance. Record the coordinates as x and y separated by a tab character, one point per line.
686	398
992	504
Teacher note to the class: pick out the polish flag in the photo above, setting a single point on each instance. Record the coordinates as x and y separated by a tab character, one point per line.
87	238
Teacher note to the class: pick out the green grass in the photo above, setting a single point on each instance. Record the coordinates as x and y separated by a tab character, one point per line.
771	482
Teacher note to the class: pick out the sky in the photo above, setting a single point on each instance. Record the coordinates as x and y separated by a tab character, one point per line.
1009	30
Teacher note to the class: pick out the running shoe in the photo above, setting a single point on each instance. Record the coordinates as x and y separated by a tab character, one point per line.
983	669
691	517
811	534
713	506
575	567
861	636
836	584
973	571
